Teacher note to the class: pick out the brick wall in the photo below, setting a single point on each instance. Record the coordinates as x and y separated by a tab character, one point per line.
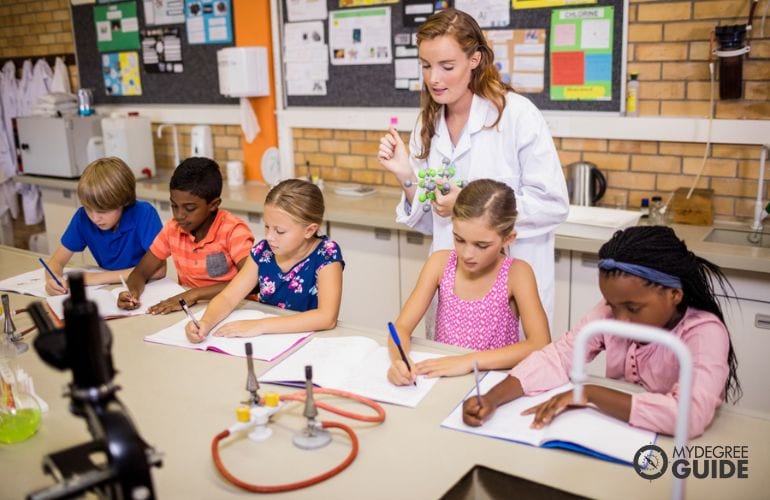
36	28
227	146
668	46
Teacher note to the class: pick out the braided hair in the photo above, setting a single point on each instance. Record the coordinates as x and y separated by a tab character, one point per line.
658	247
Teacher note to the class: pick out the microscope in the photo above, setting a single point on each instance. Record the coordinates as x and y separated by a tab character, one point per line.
84	346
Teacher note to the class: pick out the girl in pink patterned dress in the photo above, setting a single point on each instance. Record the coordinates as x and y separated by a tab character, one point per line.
482	293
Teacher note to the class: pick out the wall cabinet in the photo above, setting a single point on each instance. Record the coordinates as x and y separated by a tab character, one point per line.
370	292
413	251
748	320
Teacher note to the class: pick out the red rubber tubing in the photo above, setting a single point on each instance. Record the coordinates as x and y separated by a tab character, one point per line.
256	488
300	396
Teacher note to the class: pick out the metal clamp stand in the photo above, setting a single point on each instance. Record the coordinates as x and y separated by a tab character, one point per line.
313	436
9	328
84	347
644	334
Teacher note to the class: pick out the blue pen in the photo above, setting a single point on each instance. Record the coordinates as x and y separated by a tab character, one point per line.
50	272
397	341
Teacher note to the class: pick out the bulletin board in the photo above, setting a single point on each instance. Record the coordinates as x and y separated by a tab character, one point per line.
373	85
198	83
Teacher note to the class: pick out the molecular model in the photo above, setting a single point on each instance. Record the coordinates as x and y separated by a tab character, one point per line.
427	182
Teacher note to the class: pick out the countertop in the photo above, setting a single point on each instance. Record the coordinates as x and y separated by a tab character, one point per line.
378	210
181	398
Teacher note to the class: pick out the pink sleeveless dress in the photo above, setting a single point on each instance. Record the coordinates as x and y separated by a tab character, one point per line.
483	324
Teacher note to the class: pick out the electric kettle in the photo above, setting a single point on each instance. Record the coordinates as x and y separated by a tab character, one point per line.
587	184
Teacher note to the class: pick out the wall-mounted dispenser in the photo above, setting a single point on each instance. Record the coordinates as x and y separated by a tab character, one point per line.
200	142
243	71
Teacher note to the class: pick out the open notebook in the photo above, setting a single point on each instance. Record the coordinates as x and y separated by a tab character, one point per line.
264	347
584	430
354	364
33	282
107	300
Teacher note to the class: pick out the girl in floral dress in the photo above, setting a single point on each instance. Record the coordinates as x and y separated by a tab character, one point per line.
292	268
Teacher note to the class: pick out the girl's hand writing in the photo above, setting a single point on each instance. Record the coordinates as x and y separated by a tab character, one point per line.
244	328
197	334
445	202
545	412
448	366
474	414
394	156
127	301
399	374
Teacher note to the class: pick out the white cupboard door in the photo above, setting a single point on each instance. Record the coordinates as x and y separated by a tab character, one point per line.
562	276
414	249
584	295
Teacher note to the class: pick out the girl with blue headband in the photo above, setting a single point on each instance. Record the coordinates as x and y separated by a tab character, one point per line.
647	276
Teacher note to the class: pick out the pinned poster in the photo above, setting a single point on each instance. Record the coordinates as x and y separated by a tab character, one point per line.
416	12
581	54
209	21
360	36
306	10
157	12
117	27
539	4
364	3
488	13
121	74
162	50
520	58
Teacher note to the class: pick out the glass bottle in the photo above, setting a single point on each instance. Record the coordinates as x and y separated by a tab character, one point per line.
19	410
656	216
632	95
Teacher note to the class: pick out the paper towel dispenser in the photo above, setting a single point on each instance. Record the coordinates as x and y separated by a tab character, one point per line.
243	72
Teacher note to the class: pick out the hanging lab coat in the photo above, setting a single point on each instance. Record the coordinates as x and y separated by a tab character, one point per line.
520	152
60	82
34	83
8	109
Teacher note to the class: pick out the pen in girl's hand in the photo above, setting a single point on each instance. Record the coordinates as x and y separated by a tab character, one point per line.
50	272
476	378
189	313
397	341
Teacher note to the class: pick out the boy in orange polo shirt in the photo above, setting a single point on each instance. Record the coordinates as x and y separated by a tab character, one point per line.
208	244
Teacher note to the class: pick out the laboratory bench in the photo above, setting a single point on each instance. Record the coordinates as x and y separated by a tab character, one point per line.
181	398
377	250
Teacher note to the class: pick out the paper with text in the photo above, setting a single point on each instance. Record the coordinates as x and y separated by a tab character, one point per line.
353	364
33	282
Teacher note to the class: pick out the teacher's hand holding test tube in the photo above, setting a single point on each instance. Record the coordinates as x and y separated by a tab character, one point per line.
400	371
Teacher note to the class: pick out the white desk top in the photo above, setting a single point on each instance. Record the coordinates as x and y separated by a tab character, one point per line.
181	398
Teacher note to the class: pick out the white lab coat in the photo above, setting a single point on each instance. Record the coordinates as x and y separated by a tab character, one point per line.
8	109
34	83
519	152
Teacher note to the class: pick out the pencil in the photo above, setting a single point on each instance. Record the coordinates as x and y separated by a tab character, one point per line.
397	341
130	295
476	378
50	272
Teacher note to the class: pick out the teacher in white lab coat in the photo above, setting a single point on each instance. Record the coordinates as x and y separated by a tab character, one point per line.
472	120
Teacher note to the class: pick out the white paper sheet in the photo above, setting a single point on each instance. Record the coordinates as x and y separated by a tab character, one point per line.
107	300
305	10
33	282
264	347
354	364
